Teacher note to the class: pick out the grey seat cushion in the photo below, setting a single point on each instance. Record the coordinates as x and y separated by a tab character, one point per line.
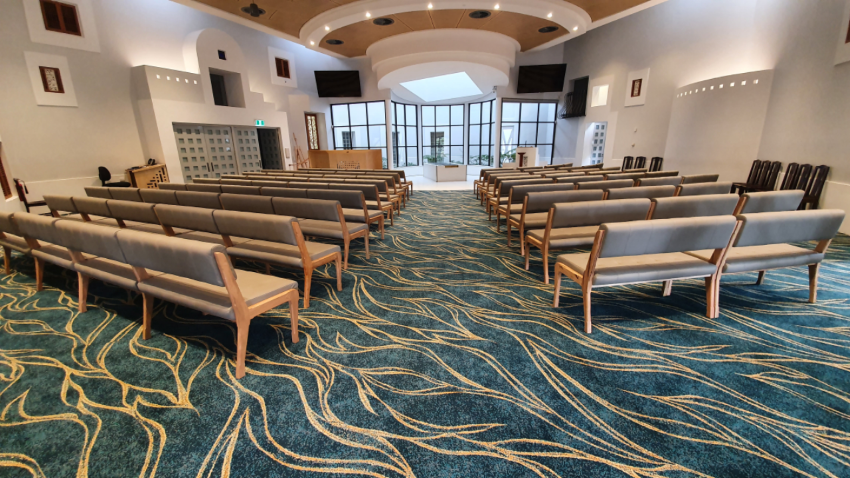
356	215
14	242
210	237
563	238
110	271
313	227
213	299
515	209
54	255
535	220
635	269
759	258
281	253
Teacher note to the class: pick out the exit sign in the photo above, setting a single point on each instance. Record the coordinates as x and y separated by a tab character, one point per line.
260	123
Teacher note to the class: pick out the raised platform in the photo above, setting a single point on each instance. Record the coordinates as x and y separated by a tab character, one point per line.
444	172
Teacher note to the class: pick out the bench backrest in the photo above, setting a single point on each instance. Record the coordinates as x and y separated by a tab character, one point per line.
544	201
606	185
92	206
666	236
125	194
204	188
132	211
700	178
60	203
642	192
247	203
771	201
253	190
660	181
159	196
8	224
307	208
264	227
198	199
694	206
284	192
347	199
170	187
594	213
619	176
193	218
699	189
788	226
98	192
661	174
370	191
189	259
98	241
517	194
40	228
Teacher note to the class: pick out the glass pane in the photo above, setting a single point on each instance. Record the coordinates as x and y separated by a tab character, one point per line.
475	113
474	153
400	139
545	153
457	154
444	132
545	133
485	112
431	155
359	138
457	135
487	134
384	157
358	113
475	134
377	136
377	113
457	114
340	115
426	136
509	134
443	115
428	116
527	134
547	111
401	159
393	118
510	112
529	112
412	156
411	115
339	142
412	139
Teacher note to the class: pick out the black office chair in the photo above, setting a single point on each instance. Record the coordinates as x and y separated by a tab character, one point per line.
105	176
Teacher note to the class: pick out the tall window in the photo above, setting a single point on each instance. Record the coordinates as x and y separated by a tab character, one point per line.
360	126
481	133
528	124
405	136
312	131
442	134
60	17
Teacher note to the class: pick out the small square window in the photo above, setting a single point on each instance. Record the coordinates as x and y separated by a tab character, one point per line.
60	17
222	55
282	67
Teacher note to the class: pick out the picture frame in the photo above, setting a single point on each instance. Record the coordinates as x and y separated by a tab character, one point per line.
51	80
637	86
842	52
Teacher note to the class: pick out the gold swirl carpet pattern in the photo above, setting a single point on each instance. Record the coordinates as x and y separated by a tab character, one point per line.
442	356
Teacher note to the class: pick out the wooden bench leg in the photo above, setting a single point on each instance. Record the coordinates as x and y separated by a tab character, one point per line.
268	269
527	256
7	260
381	226
545	252
522	239
709	297
147	315
585	295
39	274
509	232
347	243
338	261
668	288
242	326
366	237
83	294
308	281
498	221
557	287
293	316
760	280
813	283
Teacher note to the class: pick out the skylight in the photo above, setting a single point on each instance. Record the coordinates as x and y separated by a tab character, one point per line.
446	87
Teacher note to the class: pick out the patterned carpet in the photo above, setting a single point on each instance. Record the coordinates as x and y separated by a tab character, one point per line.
441	357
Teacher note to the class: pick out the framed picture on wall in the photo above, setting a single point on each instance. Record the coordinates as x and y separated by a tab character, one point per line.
842	53
51	79
636	87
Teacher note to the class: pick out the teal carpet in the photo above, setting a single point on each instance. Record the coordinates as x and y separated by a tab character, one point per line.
442	357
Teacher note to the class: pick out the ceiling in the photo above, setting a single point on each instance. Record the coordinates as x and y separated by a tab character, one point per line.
290	17
357	37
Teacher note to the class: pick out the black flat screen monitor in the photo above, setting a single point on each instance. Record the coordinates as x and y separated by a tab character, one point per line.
338	84
541	78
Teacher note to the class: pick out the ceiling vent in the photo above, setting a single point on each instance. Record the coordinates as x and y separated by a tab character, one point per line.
253	10
478	14
383	22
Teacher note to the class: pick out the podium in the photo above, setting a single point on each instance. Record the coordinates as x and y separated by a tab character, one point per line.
347	159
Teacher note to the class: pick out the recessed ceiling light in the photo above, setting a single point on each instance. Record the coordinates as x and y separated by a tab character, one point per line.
732	85
368	15
157	77
548	29
721	86
430	6
312	43
382	22
743	83
327	28
575	29
334	42
496	7
756	82
549	15
478	14
445	87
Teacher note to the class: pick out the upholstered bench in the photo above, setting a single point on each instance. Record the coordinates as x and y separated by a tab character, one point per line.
11	239
535	211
